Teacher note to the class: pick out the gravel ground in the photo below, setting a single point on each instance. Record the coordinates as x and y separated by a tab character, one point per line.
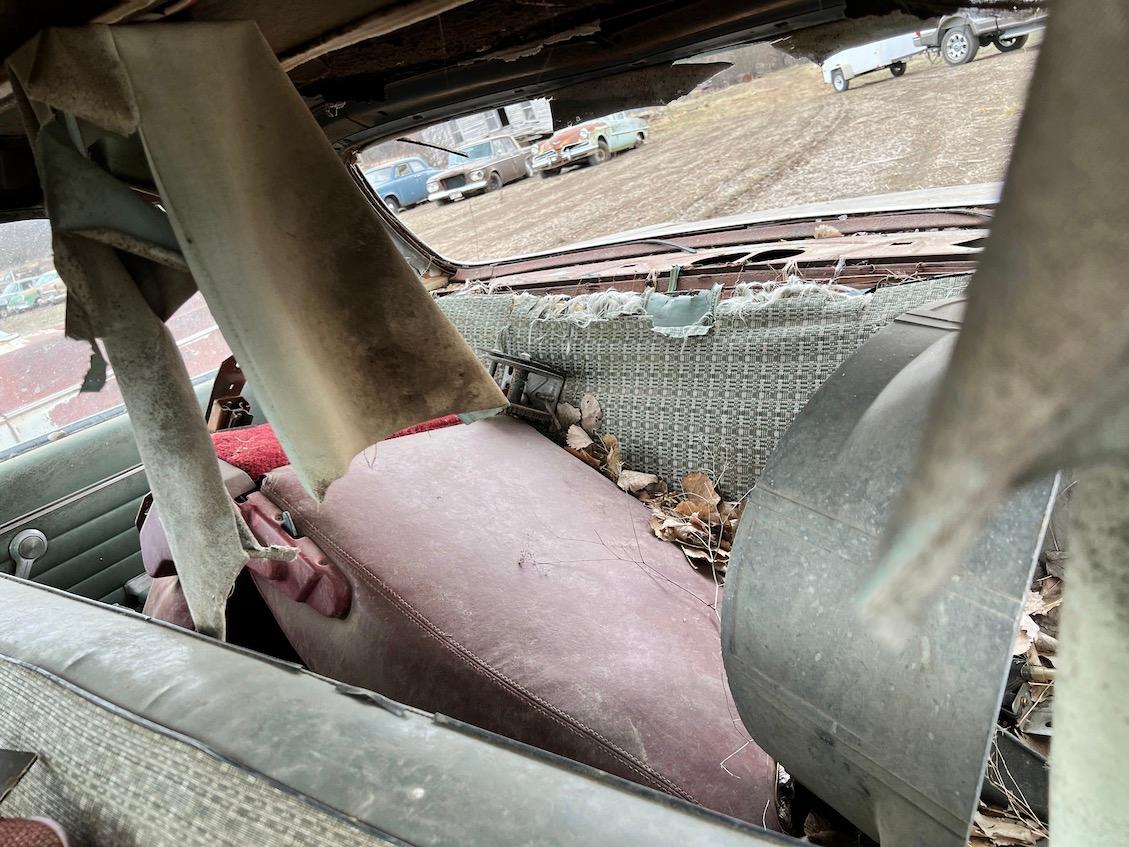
784	139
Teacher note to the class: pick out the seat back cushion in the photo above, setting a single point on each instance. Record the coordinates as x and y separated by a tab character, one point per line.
720	400
498	580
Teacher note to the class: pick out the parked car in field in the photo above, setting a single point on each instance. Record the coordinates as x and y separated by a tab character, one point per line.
589	143
840	68
29	292
476	168
401	184
959	36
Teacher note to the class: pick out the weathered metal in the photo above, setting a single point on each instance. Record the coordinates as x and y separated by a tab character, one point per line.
1017	770
1039	380
922	237
894	742
1091	710
532	389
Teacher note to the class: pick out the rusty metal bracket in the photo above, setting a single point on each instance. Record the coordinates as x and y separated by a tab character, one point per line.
533	390
227	408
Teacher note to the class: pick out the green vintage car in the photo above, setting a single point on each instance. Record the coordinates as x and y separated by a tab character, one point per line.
29	292
589	143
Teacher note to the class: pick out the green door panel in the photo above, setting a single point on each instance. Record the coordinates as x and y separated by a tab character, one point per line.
82	492
88	532
52	471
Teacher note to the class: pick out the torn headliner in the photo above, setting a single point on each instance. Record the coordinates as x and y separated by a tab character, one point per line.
371	68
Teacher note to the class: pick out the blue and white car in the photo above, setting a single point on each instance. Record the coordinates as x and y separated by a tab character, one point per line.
402	183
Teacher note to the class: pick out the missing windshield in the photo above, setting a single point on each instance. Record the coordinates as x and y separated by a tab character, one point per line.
769	132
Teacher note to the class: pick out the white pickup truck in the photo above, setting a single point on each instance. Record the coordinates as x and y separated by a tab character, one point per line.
960	35
840	68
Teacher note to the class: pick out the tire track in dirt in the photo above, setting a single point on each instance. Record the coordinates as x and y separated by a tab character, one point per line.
820	127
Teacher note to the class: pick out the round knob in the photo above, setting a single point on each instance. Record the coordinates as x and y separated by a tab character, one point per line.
27	546
32	547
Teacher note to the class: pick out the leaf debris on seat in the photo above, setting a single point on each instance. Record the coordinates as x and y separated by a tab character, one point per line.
694	516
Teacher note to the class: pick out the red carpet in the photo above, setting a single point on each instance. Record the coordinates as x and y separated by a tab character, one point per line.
255	449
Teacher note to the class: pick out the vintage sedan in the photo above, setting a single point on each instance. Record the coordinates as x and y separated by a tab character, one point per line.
23	294
401	184
480	167
589	143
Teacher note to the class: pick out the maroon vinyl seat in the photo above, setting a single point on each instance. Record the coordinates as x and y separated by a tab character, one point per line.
490	576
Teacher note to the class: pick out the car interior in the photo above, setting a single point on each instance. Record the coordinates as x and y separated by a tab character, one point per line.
718	533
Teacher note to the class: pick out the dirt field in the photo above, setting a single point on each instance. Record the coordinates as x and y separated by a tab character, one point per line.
784	139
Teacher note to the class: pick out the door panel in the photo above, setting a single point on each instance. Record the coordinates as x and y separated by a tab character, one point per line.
69	465
82	492
88	532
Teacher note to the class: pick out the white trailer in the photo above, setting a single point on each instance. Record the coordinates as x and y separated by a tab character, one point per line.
840	68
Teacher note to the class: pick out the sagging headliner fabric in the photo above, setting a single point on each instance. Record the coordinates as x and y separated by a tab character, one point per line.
341	341
326	318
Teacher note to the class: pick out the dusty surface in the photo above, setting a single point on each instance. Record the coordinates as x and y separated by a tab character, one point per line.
784	139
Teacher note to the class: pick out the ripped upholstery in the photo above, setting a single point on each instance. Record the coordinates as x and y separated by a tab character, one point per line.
718	401
341	341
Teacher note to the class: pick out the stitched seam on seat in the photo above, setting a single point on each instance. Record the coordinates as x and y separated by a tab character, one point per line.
477	664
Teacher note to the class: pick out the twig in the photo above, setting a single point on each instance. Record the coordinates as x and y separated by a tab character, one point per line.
730	756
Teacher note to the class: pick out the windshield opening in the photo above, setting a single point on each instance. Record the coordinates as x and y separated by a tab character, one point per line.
897	116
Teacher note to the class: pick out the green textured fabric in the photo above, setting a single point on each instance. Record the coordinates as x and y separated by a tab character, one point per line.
111	781
682	315
717	402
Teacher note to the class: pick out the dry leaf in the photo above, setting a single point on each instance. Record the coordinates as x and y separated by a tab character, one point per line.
633	481
1050	594
686	534
694	518
591	414
1004	832
1035	604
613	463
685	507
699	487
827	231
568	415
586	458
1026	636
578	439
700	511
